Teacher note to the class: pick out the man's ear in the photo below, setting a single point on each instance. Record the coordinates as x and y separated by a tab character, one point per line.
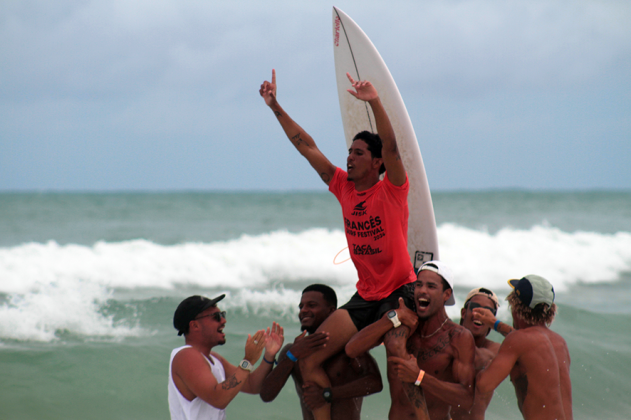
377	162
447	294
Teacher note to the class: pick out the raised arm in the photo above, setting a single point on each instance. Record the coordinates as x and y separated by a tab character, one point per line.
302	347
298	137
460	392
273	343
365	91
194	378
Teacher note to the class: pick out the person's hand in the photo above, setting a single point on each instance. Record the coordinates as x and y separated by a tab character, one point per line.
408	317
312	395
407	369
268	90
364	90
254	346
274	341
484	316
305	346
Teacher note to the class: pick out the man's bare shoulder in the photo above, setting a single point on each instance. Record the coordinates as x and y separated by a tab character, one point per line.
460	336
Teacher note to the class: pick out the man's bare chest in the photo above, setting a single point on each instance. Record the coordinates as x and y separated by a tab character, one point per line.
435	357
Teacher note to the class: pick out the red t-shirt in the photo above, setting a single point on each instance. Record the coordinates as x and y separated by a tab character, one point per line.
376	226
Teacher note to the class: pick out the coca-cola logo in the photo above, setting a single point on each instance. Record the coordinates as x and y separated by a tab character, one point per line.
336	39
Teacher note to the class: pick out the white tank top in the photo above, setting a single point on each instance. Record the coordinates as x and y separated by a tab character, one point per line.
198	409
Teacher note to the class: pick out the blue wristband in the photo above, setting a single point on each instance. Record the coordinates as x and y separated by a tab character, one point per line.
496	324
291	356
272	362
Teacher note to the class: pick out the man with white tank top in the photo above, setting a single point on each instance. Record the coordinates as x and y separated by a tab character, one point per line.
201	382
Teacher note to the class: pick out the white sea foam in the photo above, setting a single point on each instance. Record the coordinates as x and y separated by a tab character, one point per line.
53	288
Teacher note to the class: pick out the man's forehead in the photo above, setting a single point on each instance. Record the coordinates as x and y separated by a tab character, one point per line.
428	276
359	144
312	296
483	300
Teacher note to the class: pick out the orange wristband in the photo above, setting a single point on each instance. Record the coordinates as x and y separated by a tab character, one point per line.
420	378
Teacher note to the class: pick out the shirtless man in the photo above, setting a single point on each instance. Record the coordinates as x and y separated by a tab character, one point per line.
441	352
201	382
536	358
485	349
351	379
376	221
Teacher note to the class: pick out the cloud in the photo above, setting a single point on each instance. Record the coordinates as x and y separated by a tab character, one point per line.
103	80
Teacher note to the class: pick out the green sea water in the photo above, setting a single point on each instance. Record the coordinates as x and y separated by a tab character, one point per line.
89	283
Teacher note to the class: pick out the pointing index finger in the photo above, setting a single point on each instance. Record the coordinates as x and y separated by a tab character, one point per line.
274	76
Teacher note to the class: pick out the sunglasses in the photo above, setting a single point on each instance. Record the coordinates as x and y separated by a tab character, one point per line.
217	316
473	305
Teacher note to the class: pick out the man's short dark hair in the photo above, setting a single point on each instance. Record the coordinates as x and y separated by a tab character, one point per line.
374	145
329	294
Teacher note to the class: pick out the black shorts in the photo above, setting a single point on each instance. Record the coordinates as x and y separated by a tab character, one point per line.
365	312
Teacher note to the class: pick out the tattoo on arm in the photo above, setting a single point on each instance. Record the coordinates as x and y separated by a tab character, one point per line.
504	329
277	113
230	383
325	177
297	140
398	332
415	395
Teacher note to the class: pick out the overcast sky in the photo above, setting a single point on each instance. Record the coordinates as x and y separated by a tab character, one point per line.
163	94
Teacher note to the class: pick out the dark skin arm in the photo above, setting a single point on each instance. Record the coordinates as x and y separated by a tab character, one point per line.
368	383
372	335
460	392
302	347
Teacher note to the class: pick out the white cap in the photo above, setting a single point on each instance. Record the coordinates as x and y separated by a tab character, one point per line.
442	270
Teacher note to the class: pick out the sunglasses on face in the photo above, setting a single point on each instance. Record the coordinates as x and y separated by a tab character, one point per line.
217	316
473	305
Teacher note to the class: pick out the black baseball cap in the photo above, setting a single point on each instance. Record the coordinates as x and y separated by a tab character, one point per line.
189	308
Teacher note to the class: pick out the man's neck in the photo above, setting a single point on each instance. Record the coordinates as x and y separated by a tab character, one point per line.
481	342
366	183
202	348
434	323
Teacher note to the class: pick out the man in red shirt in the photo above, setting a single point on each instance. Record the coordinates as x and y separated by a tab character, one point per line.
375	221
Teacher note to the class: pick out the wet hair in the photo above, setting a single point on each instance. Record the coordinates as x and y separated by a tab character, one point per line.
541	314
374	145
329	294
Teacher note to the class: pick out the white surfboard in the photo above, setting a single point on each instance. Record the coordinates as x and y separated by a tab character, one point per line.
355	54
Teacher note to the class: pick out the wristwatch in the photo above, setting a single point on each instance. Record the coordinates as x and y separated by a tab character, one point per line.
327	395
246	365
392	316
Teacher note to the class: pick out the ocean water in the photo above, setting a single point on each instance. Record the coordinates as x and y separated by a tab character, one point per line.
89	283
